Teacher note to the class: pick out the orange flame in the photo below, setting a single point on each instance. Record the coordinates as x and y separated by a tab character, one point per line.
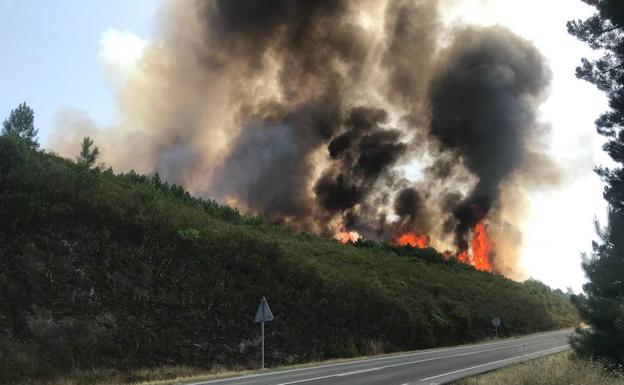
463	256
345	236
420	241
481	248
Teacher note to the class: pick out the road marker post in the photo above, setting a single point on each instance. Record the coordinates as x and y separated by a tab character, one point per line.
263	314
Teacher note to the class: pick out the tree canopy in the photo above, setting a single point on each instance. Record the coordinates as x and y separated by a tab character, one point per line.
603	305
88	154
21	123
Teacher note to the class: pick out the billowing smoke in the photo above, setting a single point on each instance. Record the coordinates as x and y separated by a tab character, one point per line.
484	99
368	116
359	156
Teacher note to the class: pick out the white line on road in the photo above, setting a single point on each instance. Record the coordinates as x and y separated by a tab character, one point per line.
386	357
495	362
307	379
358	372
396	365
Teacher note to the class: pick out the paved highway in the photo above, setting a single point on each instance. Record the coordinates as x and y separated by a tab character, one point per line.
436	366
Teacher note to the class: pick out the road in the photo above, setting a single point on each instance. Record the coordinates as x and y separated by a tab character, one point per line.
436	366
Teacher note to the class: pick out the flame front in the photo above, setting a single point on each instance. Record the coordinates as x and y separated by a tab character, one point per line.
481	249
420	241
345	236
478	255
463	256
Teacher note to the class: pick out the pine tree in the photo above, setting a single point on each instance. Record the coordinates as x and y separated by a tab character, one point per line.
88	155
21	123
602	306
86	160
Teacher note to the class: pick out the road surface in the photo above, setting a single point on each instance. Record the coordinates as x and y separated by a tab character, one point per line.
436	366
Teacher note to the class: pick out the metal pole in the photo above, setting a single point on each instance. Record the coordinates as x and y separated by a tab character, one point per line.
263	315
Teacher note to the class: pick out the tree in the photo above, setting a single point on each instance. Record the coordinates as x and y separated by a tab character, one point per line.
88	155
602	306
21	123
86	160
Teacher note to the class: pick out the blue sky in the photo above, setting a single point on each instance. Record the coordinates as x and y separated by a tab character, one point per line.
50	54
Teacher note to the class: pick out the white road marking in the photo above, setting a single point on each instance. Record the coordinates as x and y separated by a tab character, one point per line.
307	379
359	371
387	357
393	366
494	362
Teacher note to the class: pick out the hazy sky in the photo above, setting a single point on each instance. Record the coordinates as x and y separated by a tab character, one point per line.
50	54
73	54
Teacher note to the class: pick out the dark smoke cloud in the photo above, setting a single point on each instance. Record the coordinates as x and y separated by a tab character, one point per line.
250	26
360	156
268	166
306	110
412	28
308	38
319	53
484	98
408	203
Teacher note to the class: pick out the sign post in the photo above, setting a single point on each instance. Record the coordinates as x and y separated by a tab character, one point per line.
263	314
496	322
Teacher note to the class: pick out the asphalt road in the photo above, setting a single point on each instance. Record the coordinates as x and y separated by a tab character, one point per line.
437	366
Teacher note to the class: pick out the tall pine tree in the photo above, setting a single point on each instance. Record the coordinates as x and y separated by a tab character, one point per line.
603	305
88	155
21	123
85	160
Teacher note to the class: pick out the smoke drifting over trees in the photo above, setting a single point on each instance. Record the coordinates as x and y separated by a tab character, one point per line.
309	112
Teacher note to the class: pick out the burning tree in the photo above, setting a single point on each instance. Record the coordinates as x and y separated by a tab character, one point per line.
603	305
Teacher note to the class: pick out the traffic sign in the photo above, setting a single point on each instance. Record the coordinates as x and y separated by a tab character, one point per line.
263	314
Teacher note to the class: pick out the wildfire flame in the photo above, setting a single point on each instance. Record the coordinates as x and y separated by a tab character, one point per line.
345	236
420	241
481	248
478	255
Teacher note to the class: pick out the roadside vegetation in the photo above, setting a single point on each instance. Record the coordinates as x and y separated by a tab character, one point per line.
105	271
560	369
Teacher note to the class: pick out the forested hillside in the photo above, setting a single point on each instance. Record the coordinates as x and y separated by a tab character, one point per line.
105	270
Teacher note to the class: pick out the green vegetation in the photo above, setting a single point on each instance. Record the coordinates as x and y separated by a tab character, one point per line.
21	124
560	369
123	272
603	306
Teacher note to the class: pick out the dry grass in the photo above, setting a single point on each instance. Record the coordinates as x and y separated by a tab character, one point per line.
559	369
153	376
169	375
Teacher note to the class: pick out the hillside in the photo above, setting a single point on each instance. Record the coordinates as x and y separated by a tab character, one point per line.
105	270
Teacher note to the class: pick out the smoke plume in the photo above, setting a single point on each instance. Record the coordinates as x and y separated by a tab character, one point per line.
483	106
363	116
